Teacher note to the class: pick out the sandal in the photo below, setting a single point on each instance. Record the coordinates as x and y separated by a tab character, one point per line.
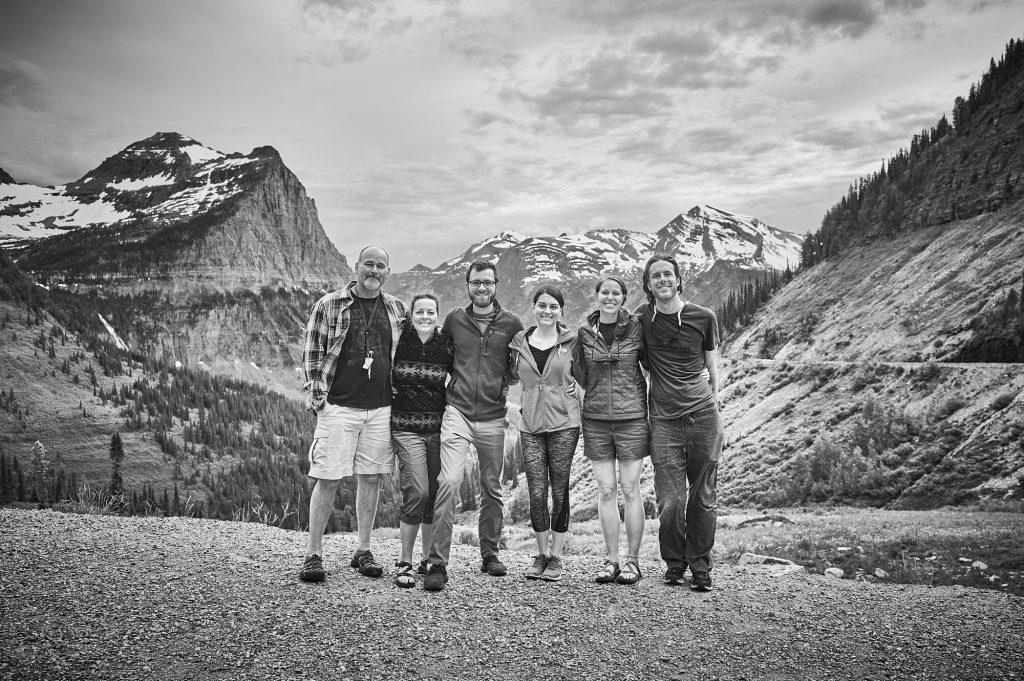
608	572
630	573
405	578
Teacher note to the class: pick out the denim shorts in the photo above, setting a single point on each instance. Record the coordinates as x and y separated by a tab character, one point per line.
351	441
627	440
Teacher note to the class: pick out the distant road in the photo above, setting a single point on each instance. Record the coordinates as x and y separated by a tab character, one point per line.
760	361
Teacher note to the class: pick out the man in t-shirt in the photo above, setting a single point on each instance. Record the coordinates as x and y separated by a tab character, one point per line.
475	414
681	342
349	346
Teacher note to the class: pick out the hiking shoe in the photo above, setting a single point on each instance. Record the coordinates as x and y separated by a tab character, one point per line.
553	570
367	566
437	577
701	581
423	567
312	569
674	575
493	566
536	570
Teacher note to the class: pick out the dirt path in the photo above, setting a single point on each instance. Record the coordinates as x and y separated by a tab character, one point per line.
99	597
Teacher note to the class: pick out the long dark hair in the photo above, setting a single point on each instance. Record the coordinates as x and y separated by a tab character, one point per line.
660	257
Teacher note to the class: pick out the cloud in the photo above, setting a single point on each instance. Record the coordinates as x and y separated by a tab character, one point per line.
609	89
22	84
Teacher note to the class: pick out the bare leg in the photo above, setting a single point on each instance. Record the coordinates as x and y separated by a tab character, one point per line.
426	536
367	493
629	482
607	506
543	542
407	531
557	542
321	504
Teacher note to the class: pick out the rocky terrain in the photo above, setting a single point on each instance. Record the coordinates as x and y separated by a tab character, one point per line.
167	213
717	250
101	597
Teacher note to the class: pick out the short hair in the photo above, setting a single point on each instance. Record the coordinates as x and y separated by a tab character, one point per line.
551	291
660	257
425	296
481	265
359	258
610	277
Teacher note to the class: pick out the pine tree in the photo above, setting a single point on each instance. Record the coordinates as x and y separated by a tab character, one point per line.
116	457
39	473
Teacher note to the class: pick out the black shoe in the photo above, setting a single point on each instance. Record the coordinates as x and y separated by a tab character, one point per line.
367	566
312	569
493	566
701	581
423	567
437	577
674	575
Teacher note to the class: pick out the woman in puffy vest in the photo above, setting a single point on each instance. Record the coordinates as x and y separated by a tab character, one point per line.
615	426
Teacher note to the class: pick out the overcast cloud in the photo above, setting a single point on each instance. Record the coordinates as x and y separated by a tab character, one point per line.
436	123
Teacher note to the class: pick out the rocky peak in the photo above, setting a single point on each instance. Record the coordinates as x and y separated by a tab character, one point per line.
5	178
170	209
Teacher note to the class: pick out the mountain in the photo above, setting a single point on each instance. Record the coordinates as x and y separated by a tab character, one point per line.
716	250
890	370
170	213
185	252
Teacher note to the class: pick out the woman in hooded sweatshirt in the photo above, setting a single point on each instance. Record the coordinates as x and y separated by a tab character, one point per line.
615	427
542	363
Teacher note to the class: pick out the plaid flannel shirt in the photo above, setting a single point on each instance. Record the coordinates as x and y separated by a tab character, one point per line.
328	326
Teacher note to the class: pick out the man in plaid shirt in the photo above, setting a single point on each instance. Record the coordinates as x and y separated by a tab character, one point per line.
349	347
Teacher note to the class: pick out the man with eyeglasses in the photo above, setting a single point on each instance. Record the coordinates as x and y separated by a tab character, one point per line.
475	413
681	344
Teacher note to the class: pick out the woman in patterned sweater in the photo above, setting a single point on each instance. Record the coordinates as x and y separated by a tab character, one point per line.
422	363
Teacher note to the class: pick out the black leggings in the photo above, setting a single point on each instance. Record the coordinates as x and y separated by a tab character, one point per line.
548	458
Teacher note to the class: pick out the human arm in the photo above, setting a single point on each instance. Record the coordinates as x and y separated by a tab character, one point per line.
711	362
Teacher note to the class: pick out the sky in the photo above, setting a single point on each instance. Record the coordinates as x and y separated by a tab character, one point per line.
425	126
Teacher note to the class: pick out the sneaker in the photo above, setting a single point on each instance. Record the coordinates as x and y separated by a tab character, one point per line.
537	569
423	567
367	566
312	569
437	577
493	566
674	575
553	570
701	581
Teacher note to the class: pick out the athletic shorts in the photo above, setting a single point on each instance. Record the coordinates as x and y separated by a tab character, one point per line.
627	440
351	441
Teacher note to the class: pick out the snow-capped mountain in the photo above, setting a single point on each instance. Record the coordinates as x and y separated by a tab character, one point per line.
169	208
716	250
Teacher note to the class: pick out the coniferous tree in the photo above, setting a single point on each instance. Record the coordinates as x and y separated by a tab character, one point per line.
116	457
40	473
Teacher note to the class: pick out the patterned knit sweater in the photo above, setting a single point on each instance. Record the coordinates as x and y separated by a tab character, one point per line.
418	379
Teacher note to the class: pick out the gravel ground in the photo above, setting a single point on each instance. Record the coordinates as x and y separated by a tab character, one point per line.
103	597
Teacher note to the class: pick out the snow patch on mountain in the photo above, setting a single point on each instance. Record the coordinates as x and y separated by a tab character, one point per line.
113	334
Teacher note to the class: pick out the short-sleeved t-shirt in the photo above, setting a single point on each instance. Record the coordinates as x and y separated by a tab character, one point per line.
370	330
675	345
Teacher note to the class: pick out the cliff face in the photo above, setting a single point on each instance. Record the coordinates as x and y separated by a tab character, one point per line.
169	213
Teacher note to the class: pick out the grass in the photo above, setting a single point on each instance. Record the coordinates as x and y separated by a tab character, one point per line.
939	547
935	548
